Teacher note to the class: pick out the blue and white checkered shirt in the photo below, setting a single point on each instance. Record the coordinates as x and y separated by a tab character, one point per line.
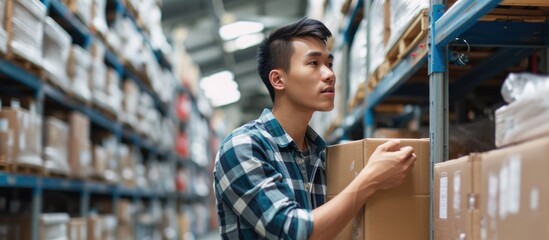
260	189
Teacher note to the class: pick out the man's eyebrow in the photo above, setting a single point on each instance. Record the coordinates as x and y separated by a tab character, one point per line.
318	54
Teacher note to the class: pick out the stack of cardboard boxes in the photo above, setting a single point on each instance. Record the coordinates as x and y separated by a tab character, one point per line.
504	193
55	52
405	207
20	135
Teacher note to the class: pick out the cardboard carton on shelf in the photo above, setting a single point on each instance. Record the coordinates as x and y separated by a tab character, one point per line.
21	136
79	70
456	198
405	207
80	158
77	229
514	202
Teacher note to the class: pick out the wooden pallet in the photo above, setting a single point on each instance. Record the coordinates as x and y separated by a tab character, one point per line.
358	97
5	166
55	173
417	30
104	111
25	168
23	63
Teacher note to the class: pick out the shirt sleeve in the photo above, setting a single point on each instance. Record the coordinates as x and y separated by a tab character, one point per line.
246	180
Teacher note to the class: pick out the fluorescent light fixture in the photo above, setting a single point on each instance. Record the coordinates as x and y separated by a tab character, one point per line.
243	42
240	28
220	88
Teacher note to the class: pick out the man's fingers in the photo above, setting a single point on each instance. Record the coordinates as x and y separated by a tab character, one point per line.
390	145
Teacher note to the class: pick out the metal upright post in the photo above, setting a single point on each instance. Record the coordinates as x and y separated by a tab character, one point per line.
368	120
36	209
84	202
438	101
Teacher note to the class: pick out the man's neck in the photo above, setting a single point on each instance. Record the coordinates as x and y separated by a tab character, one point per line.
294	122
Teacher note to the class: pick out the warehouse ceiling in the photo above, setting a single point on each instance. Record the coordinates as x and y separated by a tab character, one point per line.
202	19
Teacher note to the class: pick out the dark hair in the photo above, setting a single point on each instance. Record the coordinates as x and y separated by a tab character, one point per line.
276	50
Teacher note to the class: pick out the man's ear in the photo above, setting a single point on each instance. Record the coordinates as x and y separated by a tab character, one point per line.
276	77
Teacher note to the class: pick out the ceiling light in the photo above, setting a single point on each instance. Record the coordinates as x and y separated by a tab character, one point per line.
220	88
243	42
240	28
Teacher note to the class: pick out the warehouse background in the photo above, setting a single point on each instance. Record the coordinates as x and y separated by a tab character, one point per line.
112	111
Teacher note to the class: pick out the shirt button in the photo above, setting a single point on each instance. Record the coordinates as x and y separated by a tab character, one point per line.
308	186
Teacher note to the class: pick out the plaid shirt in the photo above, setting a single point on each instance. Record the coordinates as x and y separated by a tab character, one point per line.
260	189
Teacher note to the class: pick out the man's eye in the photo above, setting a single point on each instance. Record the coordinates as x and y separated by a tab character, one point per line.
314	63
330	65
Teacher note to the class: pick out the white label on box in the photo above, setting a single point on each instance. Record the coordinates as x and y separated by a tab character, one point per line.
504	192
492	195
514	184
457	193
534	199
4	125
443	198
22	141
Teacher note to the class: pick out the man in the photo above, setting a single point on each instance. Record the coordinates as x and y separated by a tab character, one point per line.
269	175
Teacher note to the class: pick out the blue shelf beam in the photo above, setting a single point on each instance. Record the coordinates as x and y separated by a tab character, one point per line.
62	185
498	62
460	17
352	26
18	181
402	72
80	33
112	61
509	34
19	75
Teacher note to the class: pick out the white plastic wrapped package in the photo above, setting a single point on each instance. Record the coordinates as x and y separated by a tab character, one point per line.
523	85
55	52
114	94
523	119
54	226
27	26
377	34
357	59
99	21
79	68
3	32
403	13
56	143
84	10
99	83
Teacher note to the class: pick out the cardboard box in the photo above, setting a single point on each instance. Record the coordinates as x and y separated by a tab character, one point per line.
95	228
80	147
15	227
99	161
515	192
455	192
25	27
77	229
22	131
56	143
405	207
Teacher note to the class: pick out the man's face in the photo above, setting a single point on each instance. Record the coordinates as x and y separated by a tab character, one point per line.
310	82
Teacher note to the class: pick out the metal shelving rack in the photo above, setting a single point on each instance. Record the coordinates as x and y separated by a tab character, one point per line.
515	40
41	90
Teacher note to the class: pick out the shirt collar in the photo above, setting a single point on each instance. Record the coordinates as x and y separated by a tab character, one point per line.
280	136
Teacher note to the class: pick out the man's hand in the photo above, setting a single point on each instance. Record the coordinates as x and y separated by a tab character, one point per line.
389	165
